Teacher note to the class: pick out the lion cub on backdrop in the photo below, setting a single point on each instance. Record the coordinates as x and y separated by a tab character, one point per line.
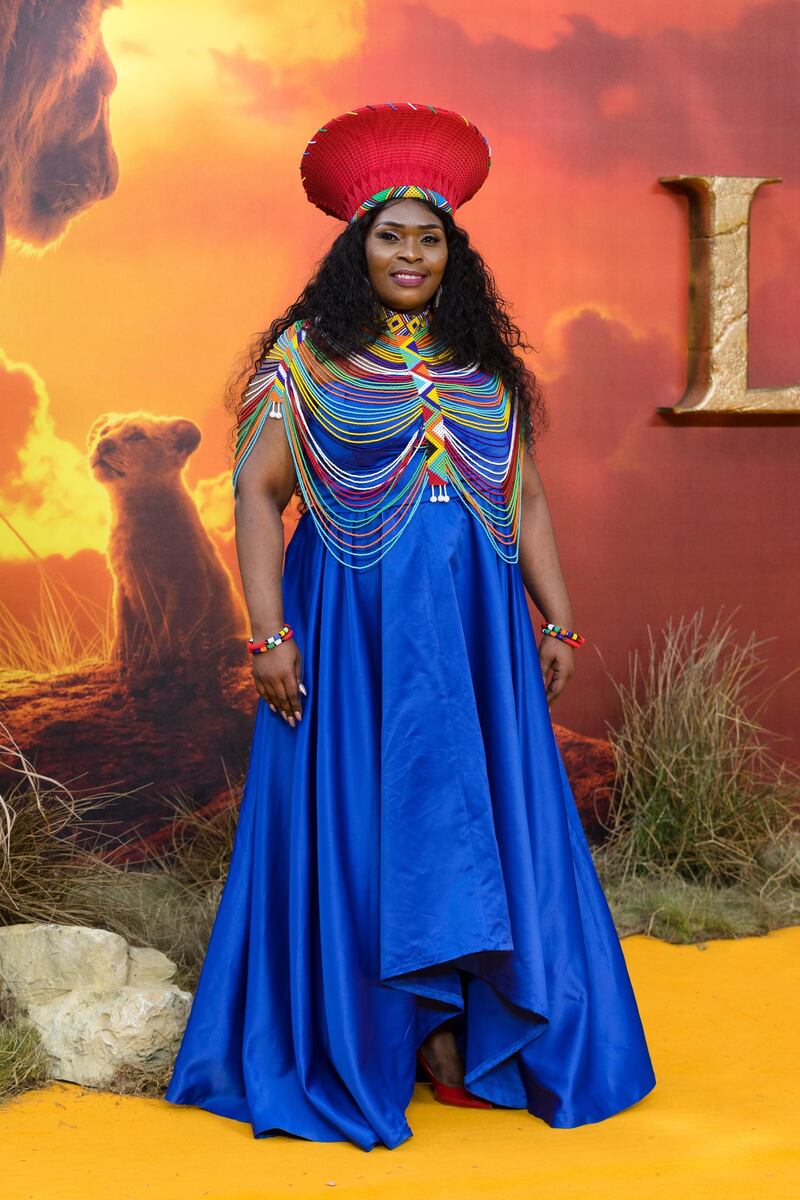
173	594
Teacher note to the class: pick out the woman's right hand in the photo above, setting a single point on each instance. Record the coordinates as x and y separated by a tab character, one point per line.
277	676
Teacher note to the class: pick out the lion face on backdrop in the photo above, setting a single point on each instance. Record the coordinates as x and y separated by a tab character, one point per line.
56	154
129	449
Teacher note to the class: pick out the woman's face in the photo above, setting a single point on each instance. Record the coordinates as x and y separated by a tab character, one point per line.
406	255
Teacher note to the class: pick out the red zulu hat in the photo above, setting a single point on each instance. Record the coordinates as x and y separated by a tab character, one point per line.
386	151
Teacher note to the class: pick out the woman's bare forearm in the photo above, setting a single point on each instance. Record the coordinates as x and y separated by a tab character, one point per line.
539	561
260	549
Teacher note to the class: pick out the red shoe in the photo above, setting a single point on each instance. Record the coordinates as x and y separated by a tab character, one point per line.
448	1094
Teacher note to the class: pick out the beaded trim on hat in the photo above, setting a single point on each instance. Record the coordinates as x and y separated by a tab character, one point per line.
409	191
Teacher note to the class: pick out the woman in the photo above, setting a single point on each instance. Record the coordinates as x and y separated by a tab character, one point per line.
410	886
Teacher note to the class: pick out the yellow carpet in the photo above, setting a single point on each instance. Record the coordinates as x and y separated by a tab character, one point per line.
721	1122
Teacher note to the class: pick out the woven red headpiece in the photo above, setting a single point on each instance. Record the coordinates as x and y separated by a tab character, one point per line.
387	151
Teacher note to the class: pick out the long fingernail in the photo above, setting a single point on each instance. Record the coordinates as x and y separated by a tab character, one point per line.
298	715
303	689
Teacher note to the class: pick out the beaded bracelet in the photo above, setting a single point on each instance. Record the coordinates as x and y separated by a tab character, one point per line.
270	643
563	634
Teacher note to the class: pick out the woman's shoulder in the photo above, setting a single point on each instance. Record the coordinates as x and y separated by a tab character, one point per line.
288	336
286	340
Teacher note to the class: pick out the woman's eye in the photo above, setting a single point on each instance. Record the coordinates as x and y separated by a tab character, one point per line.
385	233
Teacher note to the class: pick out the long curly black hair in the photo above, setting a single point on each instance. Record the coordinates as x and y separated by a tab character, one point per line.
471	318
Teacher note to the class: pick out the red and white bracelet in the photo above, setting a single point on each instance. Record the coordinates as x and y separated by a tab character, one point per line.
271	642
563	634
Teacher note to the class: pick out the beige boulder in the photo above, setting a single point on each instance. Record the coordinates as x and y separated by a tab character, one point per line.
41	962
97	1003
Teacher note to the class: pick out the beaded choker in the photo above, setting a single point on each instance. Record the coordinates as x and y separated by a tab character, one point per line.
370	432
406	324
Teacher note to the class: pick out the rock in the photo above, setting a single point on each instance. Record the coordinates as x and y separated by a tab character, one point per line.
97	1003
41	962
89	1034
149	968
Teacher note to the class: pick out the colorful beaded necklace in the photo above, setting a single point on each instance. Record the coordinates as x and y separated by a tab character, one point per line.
405	416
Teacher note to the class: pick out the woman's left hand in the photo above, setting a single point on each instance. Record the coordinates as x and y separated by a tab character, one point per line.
557	661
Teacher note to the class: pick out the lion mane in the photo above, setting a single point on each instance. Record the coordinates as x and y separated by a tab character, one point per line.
56	152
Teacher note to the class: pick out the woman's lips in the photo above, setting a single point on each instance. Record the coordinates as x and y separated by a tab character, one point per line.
408	278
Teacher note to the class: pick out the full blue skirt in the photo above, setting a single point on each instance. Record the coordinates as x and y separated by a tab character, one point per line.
409	853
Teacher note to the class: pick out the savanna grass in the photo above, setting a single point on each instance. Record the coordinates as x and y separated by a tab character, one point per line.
65	632
698	795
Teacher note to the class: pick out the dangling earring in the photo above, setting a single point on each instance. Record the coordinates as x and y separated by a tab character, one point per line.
438	296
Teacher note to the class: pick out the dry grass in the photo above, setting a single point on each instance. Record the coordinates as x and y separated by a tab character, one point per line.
133	1080
41	863
55	641
662	905
199	849
698	795
23	1060
170	903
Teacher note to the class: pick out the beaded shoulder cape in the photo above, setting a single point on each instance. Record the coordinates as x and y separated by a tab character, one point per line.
372	432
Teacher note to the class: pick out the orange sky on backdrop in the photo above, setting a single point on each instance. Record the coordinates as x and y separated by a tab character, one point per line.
152	293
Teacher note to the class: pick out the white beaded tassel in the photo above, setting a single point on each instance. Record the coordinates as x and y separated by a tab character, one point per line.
444	495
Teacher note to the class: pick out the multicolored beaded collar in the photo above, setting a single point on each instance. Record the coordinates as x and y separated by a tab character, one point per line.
424	419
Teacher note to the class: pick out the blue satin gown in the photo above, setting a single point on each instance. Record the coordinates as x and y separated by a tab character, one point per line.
410	853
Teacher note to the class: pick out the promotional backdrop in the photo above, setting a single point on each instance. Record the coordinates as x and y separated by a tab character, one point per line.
154	219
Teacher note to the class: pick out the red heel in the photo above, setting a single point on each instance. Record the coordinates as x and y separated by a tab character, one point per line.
446	1093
